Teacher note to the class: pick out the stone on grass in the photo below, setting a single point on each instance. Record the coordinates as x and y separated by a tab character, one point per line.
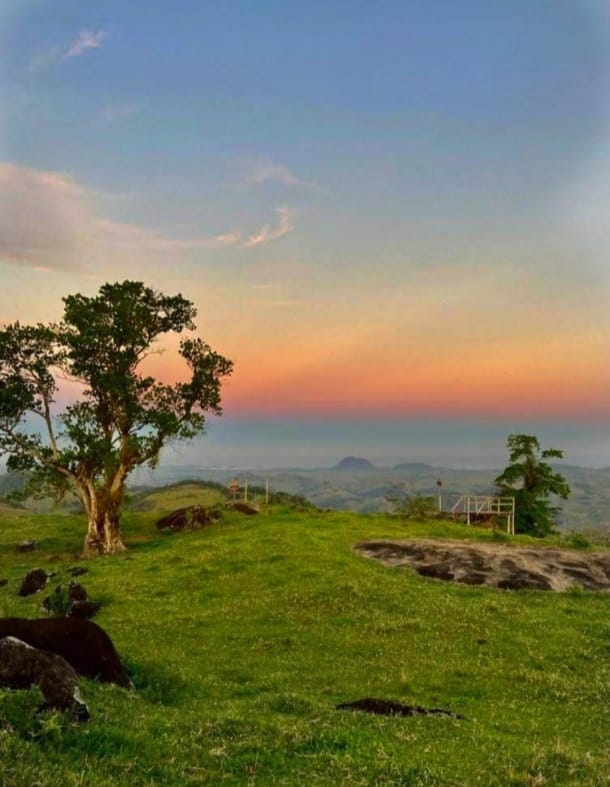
83	644
33	582
83	609
23	666
189	518
26	546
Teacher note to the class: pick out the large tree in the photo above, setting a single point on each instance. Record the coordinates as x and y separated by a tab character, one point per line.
530	480
122	417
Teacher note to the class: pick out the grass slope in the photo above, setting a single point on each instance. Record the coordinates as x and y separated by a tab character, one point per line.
241	639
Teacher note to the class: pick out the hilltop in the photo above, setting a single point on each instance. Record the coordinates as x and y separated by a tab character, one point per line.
367	487
354	463
242	638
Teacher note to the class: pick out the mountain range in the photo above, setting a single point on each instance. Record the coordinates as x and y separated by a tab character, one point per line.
356	484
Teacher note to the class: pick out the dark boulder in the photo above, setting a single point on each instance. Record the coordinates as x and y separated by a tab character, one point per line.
26	546
83	644
22	666
189	518
33	582
83	609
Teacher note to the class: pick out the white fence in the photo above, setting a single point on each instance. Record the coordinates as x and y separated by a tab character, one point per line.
477	506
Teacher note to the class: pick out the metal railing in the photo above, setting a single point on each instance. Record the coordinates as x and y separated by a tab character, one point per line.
475	506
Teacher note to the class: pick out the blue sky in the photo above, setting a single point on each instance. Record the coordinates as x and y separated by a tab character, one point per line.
386	212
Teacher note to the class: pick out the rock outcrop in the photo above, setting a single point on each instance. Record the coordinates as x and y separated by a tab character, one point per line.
497	565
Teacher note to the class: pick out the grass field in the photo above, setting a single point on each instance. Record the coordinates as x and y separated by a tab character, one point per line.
242	638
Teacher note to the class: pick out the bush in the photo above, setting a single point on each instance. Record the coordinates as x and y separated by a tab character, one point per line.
415	506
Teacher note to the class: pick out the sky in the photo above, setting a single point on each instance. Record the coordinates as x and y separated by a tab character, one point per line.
391	215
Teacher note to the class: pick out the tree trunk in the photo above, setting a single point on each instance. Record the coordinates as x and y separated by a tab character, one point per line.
103	525
94	540
113	540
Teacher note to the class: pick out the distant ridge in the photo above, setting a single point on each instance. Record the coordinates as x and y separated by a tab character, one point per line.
354	463
414	467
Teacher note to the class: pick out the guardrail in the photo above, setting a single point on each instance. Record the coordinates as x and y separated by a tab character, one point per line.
475	506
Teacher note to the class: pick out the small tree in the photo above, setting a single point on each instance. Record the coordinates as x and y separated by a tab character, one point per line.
123	417
530	480
412	506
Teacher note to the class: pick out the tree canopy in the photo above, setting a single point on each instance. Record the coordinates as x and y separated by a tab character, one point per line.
123	417
530	480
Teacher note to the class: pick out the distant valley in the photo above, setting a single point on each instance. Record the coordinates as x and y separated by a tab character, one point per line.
356	484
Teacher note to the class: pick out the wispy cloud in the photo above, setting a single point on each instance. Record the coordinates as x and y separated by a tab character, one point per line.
263	171
267	233
86	39
50	222
228	239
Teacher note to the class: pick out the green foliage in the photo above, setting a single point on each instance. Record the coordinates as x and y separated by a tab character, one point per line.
242	638
124	416
530	480
578	541
58	601
413	506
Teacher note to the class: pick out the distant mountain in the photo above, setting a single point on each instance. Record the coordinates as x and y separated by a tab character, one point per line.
356	484
414	467
354	463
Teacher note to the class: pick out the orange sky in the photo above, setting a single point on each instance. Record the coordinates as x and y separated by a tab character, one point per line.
420	230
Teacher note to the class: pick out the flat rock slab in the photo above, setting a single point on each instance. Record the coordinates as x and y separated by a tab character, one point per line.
497	565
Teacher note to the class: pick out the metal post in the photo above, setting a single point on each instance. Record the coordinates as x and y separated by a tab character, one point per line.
267	492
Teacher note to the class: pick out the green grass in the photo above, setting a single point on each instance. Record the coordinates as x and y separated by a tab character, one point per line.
241	638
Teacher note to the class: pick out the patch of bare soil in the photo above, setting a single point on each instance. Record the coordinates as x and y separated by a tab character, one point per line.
497	565
389	708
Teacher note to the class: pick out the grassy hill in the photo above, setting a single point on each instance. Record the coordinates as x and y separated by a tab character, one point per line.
364	489
241	638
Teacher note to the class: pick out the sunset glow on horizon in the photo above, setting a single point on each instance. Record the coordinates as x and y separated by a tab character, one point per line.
379	210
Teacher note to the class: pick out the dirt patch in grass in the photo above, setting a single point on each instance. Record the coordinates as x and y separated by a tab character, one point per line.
497	565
